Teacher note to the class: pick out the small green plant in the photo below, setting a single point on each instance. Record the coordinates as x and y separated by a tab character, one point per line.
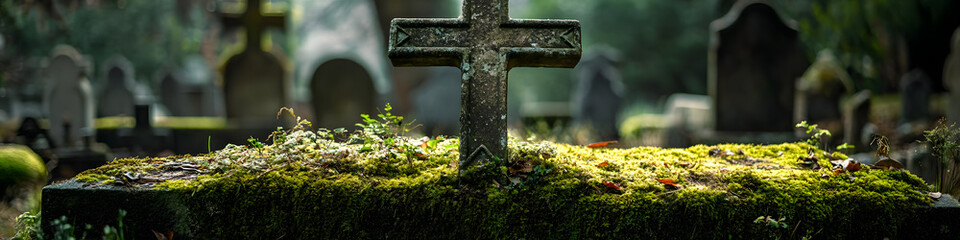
846	148
816	139
944	144
389	126
28	226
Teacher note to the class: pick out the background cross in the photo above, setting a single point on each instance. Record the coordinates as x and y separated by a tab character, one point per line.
254	22
485	44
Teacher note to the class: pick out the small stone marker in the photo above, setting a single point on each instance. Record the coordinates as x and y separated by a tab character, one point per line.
484	42
596	101
116	94
69	100
914	96
951	79
254	80
856	115
754	60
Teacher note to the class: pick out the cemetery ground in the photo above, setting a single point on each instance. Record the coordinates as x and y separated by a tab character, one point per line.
379	183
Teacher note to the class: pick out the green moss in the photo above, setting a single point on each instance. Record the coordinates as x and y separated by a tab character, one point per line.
20	164
311	186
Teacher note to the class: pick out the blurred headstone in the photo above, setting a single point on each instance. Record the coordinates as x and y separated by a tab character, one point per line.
820	89
116	92
599	92
254	81
914	96
685	115
436	103
191	91
951	79
69	99
754	60
340	62
342	90
856	115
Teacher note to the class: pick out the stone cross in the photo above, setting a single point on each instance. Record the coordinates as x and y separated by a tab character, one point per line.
254	22
484	42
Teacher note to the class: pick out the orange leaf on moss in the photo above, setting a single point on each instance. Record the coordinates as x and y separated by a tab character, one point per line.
612	185
600	144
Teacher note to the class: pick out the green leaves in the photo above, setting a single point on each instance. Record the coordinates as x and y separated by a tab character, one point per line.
817	138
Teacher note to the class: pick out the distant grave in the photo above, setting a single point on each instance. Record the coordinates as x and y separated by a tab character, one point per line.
342	90
115	96
254	81
754	61
484	42
340	67
69	105
69	99
599	93
190	91
915	90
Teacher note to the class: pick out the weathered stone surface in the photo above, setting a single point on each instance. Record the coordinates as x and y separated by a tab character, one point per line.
484	42
363	195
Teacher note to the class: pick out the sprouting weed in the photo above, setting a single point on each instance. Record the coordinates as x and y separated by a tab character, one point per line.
816	139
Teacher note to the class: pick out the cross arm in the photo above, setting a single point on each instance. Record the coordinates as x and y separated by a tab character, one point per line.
541	43
428	41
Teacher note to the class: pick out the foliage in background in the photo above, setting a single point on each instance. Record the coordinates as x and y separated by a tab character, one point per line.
663	44
866	34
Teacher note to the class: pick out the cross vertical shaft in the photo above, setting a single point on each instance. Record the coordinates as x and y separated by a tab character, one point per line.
254	22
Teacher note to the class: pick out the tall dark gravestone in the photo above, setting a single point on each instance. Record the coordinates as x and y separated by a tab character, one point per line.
254	81
484	42
754	61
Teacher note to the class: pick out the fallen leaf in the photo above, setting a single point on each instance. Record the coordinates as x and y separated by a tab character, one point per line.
935	195
852	166
612	185
667	181
887	163
600	144
603	164
824	175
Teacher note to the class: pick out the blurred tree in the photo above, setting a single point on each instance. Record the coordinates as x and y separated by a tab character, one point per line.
664	43
880	40
149	33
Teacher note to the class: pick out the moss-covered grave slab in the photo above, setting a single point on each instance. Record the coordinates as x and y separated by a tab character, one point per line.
309	184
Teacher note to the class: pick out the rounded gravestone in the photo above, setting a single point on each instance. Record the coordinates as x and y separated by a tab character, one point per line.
342	90
68	101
